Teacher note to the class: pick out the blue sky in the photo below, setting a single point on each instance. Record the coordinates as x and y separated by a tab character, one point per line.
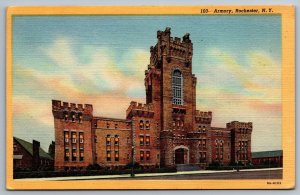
101	60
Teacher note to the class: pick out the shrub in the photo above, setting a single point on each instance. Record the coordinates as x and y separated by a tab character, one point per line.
136	165
94	167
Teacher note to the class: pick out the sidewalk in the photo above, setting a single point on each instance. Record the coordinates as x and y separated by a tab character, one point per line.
142	175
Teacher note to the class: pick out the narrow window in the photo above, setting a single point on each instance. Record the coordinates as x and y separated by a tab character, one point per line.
204	143
177	87
116	140
147	125
73	116
79	117
81	157
116	155
147	155
67	154
66	115
141	140
142	155
66	135
108	140
147	140
74	155
200	155
141	124
74	137
81	138
108	155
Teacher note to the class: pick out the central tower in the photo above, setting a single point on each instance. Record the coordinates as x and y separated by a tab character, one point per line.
171	88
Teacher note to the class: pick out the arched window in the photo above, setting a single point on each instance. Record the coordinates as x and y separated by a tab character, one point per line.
177	87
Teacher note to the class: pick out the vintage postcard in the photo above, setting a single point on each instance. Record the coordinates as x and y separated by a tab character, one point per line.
150	97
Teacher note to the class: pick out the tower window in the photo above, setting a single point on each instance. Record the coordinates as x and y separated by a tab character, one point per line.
141	140
65	115
73	116
79	117
177	87
147	125
141	124
147	140
81	138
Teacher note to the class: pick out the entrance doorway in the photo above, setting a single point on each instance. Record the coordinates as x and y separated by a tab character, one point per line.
181	155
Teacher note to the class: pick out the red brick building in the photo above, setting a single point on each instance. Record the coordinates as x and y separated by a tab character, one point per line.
166	131
29	156
272	158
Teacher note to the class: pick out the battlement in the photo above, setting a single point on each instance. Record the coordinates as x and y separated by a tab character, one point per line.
171	47
203	114
203	117
166	36
238	125
139	109
72	112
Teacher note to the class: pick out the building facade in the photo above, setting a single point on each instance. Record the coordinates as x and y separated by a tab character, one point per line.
30	156
269	158
165	131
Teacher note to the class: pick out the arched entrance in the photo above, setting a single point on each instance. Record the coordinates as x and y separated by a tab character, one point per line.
181	155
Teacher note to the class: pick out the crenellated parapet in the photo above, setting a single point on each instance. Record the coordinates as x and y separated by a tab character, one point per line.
239	125
139	110
72	112
171	47
203	117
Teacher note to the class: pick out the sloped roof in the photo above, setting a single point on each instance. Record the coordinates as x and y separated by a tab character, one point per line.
28	147
264	154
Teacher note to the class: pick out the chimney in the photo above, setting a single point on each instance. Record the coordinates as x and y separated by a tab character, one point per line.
35	155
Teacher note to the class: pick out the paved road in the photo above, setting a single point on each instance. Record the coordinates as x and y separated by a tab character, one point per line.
267	174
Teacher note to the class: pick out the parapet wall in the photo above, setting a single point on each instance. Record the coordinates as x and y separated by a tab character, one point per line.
203	117
61	109
139	109
237	125
168	46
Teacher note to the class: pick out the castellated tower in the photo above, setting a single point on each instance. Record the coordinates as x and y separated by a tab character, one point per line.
171	88
73	135
240	141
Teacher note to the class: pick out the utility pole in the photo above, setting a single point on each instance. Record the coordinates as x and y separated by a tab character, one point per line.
132	157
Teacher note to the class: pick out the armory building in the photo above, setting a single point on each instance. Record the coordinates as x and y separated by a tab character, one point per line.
168	130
